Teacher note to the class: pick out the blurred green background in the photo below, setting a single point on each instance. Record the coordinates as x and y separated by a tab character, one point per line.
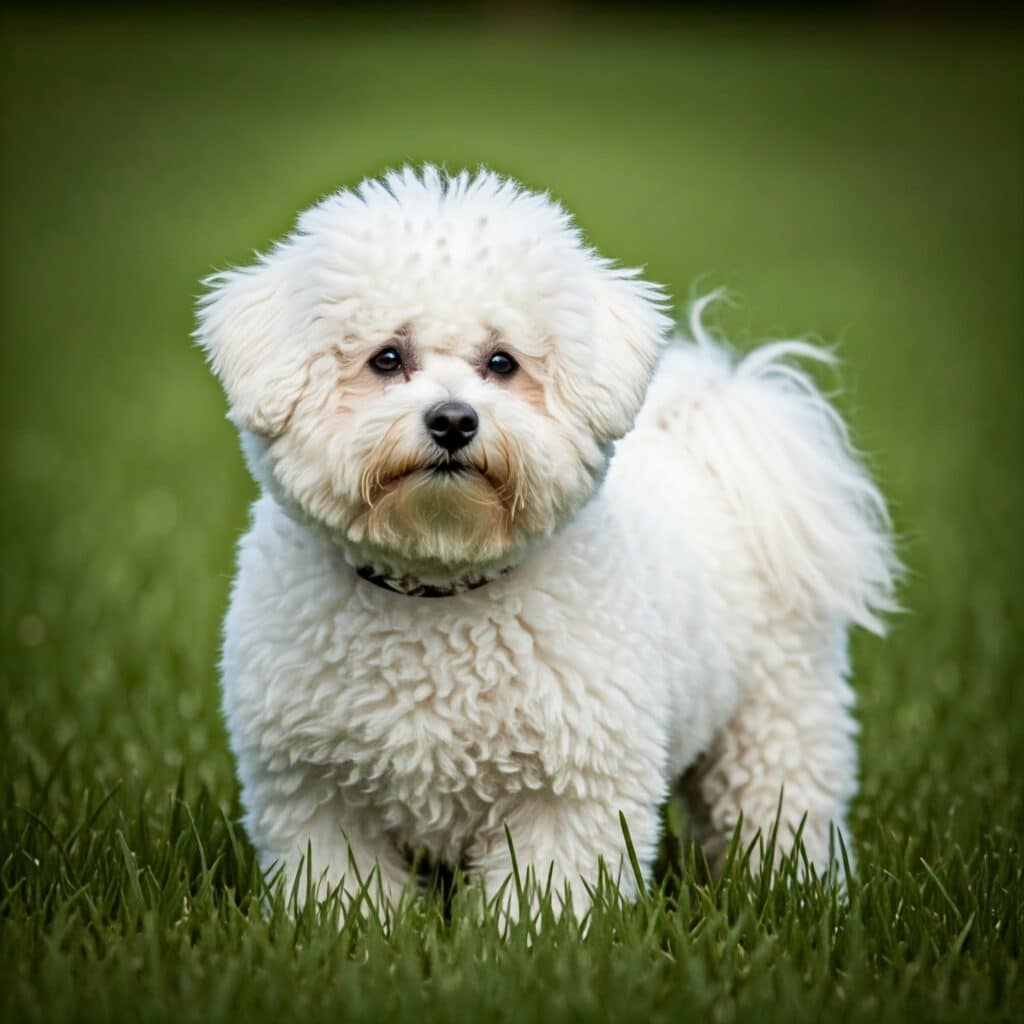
856	178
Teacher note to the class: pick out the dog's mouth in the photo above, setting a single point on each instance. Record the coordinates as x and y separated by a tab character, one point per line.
449	467
444	473
442	469
442	489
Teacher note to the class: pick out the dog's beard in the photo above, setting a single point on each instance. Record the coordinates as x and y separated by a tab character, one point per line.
452	511
451	518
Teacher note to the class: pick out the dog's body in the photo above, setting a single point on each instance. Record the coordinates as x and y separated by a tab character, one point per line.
683	606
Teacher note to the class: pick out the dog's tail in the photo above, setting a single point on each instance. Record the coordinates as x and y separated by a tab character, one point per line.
818	526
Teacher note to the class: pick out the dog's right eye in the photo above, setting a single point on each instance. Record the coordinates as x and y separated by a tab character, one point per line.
387	360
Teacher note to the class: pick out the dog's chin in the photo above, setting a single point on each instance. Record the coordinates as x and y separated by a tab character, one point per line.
447	513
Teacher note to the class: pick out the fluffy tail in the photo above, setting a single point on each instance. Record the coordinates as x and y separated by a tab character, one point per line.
817	523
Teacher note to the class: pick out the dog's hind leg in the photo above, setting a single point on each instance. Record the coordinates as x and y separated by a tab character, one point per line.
788	755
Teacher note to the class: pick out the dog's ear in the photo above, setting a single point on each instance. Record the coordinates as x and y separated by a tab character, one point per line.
245	330
629	329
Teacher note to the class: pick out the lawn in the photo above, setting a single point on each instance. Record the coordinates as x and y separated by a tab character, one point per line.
859	182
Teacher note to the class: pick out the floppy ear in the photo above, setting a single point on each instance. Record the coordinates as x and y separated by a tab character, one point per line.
629	329
245	330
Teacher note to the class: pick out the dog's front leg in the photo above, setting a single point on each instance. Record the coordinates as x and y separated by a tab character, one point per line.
562	842
333	848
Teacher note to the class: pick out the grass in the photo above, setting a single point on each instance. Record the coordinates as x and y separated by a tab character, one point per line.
860	181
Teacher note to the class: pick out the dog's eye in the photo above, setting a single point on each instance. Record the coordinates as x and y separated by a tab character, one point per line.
387	360
502	364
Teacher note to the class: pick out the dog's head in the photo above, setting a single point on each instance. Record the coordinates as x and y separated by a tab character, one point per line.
434	369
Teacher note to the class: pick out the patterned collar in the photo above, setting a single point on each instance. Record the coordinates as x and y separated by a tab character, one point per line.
409	586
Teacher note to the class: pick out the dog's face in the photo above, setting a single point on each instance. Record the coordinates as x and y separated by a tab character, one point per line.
433	369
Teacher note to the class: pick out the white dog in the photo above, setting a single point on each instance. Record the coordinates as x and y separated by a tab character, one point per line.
498	577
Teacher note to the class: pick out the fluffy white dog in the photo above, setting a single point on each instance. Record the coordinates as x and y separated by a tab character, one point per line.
498	577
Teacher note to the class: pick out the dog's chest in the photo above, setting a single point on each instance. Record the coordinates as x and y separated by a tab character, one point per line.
432	723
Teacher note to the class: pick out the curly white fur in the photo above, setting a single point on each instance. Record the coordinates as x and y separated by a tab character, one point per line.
681	607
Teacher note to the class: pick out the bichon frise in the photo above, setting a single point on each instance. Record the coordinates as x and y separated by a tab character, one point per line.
499	577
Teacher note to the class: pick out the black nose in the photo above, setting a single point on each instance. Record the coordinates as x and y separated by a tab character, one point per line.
452	424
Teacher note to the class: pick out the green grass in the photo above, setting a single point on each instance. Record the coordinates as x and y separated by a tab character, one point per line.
862	182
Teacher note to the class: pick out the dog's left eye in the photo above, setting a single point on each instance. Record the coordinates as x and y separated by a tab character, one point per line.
387	360
502	364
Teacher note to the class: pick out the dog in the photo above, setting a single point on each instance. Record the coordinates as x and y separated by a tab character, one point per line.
521	560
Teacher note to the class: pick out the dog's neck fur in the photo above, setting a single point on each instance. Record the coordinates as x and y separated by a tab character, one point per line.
415	578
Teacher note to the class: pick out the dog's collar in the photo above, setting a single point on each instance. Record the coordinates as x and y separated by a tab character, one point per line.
409	586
